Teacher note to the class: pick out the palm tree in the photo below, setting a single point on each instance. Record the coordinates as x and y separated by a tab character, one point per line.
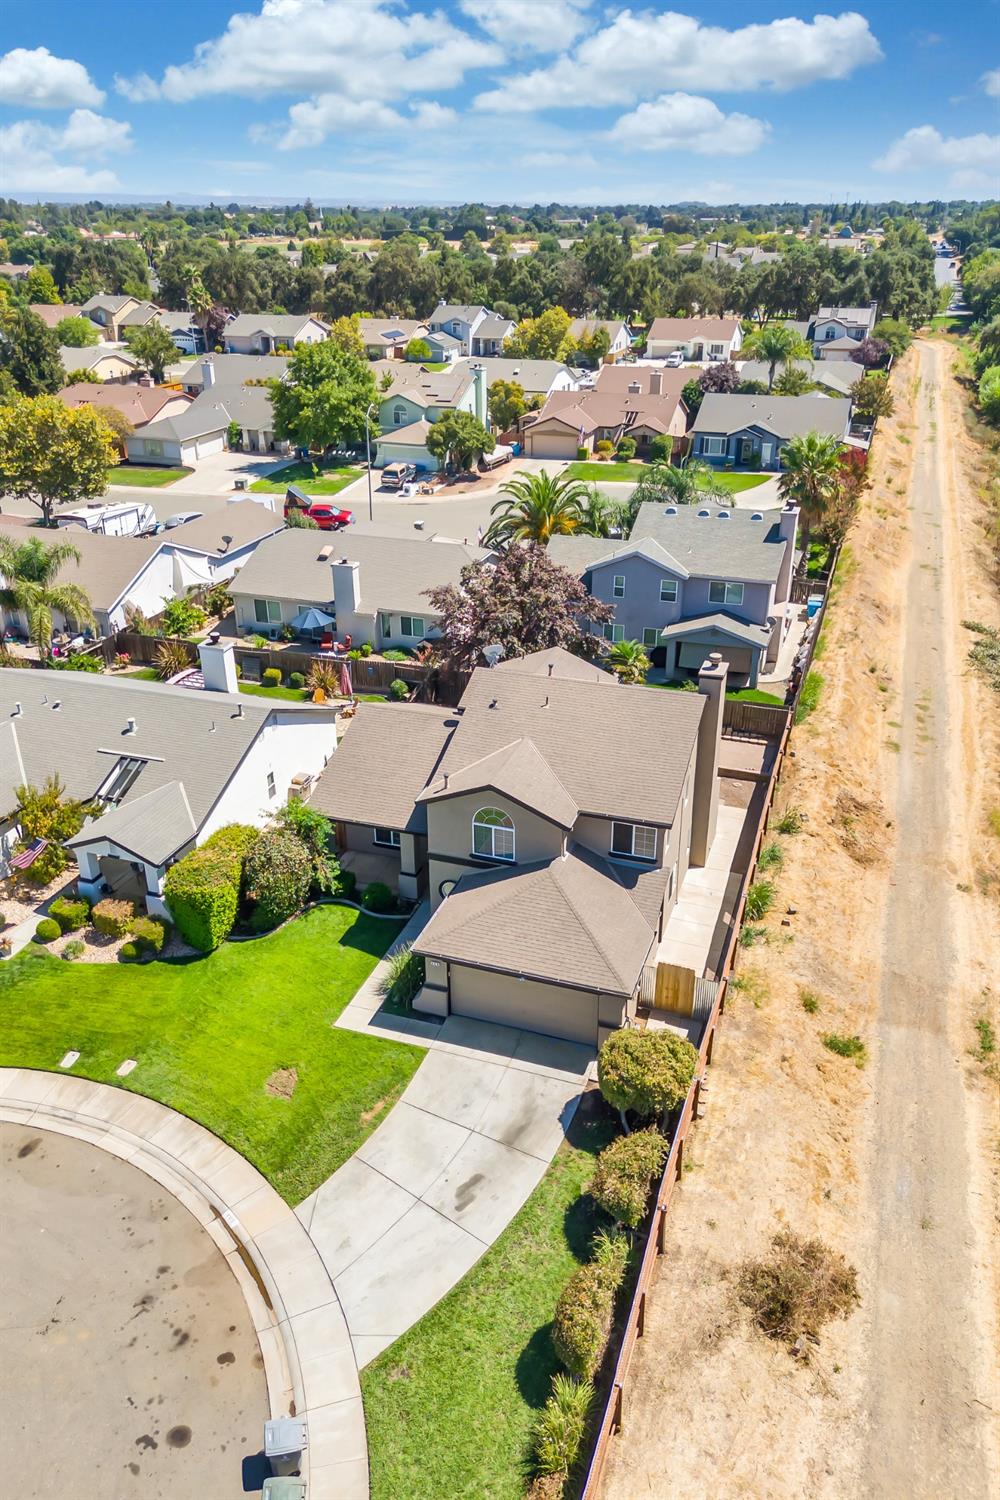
810	477
628	661
598	514
30	585
536	508
776	344
665	482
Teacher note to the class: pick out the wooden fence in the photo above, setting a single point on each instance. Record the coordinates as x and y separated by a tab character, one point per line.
760	720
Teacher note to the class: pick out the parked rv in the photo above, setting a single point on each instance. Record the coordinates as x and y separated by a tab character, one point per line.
127	518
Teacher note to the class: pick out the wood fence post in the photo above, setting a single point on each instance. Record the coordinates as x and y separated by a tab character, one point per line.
640	1322
680	1158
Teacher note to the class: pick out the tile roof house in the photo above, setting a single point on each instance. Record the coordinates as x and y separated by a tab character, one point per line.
696	338
372	583
168	764
263	333
571	420
690	580
549	880
749	432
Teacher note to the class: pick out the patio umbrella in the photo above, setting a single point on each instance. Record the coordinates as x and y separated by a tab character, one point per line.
345	681
311	619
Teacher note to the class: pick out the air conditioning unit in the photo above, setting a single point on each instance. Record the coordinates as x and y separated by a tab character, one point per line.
300	786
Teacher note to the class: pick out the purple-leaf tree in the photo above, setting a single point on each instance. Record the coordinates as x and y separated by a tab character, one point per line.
523	601
871	353
723	377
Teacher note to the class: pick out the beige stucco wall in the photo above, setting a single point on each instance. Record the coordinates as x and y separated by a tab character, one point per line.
449	832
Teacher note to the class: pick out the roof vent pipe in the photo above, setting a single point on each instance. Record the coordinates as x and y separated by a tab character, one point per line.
18	710
130	726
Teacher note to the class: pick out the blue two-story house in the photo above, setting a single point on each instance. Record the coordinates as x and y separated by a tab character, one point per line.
691	580
749	432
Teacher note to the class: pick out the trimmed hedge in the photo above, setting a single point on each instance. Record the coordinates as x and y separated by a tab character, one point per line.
278	874
71	915
235	839
296	680
202	891
624	1174
347	884
148	935
128	953
113	918
582	1322
47	930
648	1072
271	676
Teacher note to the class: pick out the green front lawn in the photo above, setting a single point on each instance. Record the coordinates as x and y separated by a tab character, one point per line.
615	473
744	695
144	674
209	1032
260	690
144	478
450	1405
315	479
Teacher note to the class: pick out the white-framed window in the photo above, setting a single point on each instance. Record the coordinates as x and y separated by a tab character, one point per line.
716	348
713	447
387	837
668	590
650	636
493	834
725	593
399	416
267	611
411	625
614	633
271	785
633	841
618	586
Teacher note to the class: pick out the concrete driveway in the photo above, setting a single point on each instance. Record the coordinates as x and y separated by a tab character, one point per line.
427	1194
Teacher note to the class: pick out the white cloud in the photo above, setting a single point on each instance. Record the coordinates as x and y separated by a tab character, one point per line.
688	122
39	80
643	53
924	147
991	83
429	115
30	153
526	25
331	114
140	89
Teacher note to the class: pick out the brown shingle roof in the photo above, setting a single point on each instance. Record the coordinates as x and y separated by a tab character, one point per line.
692	328
520	772
382	764
140	403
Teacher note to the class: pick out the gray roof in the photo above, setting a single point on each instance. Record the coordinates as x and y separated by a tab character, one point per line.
429	387
588	326
152	827
382	764
751	635
175	322
556	661
236	525
569	920
535	376
108	564
205	414
390	331
85	359
581	733
840	375
111	304
442	340
278	324
139	316
494	327
250	405
230	369
519	771
395	570
448	311
195	738
865	316
686	543
782	416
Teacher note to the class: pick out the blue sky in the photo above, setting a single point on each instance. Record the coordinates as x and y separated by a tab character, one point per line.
500	100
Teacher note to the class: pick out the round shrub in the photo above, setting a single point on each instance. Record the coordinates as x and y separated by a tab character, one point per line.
624	1174
648	1072
278	874
148	935
625	449
582	453
347	884
71	915
296	679
661	448
74	949
47	930
128	953
398	690
378	898
113	918
394	653
202	891
582	1320
271	676
604	449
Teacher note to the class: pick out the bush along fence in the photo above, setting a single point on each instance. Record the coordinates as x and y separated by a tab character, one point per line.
608	1420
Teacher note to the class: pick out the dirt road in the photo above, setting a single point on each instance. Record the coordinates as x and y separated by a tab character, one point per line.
895	938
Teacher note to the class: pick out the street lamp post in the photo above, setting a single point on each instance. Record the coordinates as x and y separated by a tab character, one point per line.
368	450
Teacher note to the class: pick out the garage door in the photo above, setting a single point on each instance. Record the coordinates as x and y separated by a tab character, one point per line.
551	446
214	443
532	1006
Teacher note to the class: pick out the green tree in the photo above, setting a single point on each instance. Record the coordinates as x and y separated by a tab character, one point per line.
77	333
30	572
51	455
989	393
537	507
419	351
647	1073
29	353
324	399
153	347
628	661
793	381
344	332
46	812
540	338
40	287
776	344
873	398
459	439
506	403
810	477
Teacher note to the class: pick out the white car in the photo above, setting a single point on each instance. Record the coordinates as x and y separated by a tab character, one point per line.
674	360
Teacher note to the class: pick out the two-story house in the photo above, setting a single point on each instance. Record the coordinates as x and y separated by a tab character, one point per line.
415	400
263	333
837	331
110	312
371	586
550	880
691	580
477	330
749	432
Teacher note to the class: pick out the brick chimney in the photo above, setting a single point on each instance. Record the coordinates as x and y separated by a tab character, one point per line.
705	800
788	522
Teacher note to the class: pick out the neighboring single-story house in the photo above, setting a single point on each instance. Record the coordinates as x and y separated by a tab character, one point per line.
695	338
619	337
140	403
251	408
203	428
387	338
52	313
749	432
106	361
838	376
550	881
690	580
837	330
445	347
372	584
490	335
196	375
169	765
536	377
263	333
218	544
574	420
182	328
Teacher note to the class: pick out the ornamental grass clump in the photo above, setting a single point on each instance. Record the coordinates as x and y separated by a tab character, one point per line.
561	1426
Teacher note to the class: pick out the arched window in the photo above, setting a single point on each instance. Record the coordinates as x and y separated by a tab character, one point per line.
493	834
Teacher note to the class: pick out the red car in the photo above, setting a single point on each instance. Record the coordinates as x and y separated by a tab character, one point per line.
327	517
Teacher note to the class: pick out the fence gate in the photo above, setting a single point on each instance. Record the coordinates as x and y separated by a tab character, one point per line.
675	989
